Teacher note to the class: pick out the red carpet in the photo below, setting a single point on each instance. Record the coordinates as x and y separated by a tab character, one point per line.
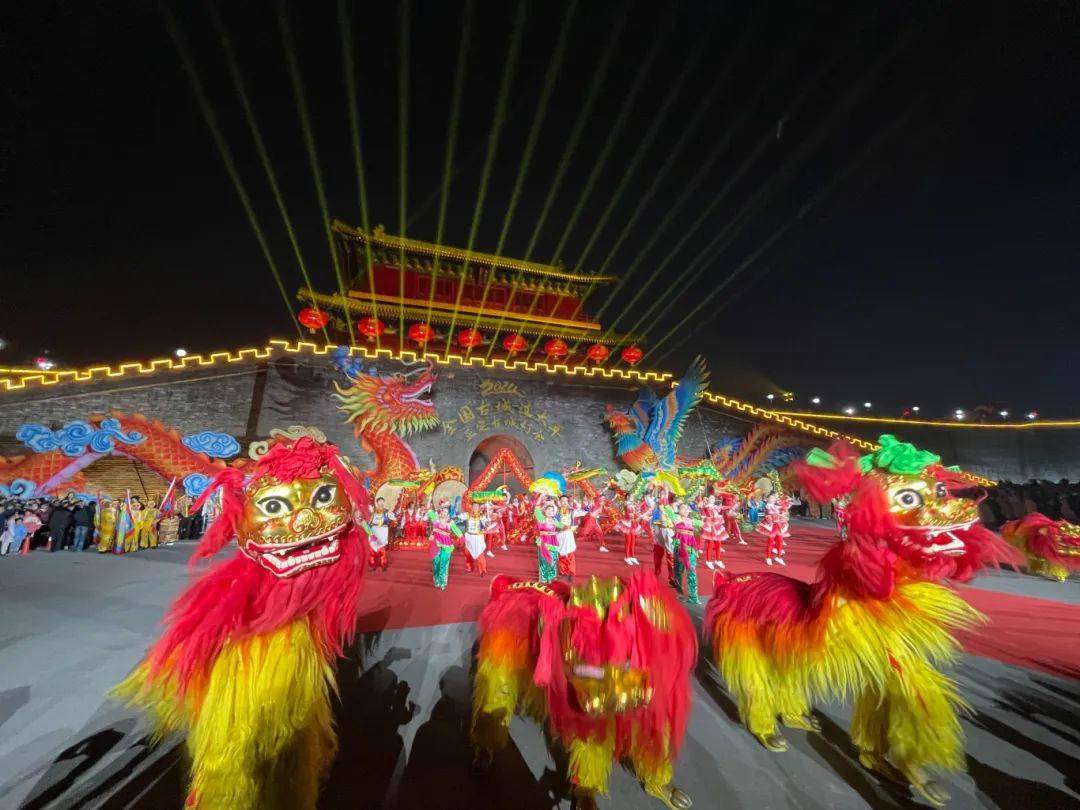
1035	633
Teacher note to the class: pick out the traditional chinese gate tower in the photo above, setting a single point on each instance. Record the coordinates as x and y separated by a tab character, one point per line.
408	294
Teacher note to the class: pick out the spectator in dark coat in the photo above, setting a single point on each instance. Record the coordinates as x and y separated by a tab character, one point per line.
60	521
83	518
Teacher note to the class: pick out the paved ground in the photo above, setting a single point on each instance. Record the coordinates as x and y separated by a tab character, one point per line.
75	624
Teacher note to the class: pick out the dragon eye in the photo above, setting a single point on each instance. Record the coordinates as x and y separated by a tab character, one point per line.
274	506
908	499
324	495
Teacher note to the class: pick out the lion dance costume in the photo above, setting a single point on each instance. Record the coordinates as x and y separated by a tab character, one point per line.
605	666
1051	547
245	665
875	625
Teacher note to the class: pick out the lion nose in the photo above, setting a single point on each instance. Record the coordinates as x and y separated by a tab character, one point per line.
304	521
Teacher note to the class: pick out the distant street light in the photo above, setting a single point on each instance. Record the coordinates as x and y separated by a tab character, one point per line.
180	352
868	405
770	397
915	408
1033	415
849	410
816	400
1003	414
44	363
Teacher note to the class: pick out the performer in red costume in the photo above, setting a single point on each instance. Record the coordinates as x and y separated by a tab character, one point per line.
774	525
630	526
415	523
729	506
589	528
713	533
567	540
378	529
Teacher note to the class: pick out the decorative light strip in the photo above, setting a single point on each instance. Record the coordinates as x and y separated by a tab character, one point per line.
793	420
193	361
884	420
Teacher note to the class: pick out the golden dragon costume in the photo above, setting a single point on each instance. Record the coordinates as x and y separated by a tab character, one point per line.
245	666
385	409
875	626
604	666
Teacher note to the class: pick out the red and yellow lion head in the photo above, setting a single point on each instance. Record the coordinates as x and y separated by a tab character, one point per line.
292	510
903	502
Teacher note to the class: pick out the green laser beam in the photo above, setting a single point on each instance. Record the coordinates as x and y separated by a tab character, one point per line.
595	83
642	148
451	143
226	154
509	69
674	210
312	154
696	266
403	159
799	216
530	145
613	135
719	197
348	61
260	145
665	168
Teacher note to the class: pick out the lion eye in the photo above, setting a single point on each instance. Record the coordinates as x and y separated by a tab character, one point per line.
908	499
275	506
324	495
941	491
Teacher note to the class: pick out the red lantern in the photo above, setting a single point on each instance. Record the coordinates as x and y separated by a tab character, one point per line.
632	355
598	353
370	327
421	333
514	343
556	347
313	318
469	338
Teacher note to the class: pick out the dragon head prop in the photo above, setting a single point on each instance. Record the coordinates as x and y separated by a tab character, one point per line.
292	510
903	501
397	403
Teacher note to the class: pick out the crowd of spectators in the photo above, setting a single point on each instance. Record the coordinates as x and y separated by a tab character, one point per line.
76	523
1009	501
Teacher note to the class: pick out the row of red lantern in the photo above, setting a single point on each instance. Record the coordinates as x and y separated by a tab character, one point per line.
420	333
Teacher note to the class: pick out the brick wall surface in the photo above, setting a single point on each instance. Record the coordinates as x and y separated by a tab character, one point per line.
559	420
190	403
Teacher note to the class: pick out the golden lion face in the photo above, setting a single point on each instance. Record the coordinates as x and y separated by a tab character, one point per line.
605	687
291	528
925	510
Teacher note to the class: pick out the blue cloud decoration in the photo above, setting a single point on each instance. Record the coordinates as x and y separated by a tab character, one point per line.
76	438
215	445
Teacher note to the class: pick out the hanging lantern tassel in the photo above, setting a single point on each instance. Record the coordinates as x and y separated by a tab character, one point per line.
632	355
598	353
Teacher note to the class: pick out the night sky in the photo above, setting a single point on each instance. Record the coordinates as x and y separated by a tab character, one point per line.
921	159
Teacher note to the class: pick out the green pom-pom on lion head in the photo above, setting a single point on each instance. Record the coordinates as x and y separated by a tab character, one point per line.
898	457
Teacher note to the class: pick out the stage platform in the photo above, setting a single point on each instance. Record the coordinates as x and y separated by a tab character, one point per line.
75	624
